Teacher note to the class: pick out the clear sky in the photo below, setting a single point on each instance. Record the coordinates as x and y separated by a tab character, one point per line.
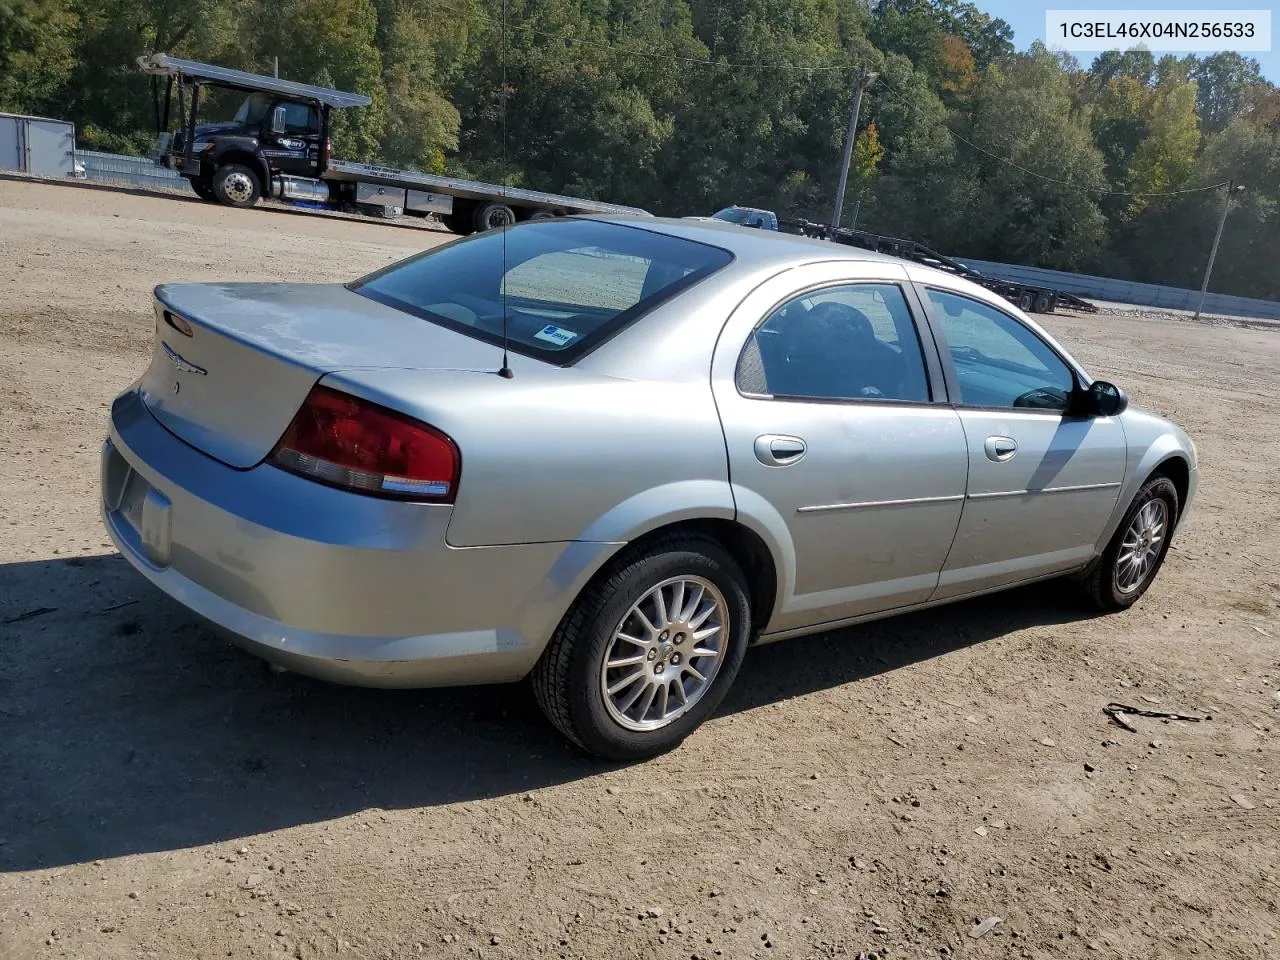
1027	19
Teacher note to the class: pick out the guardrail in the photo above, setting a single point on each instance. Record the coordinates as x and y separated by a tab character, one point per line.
1128	291
133	171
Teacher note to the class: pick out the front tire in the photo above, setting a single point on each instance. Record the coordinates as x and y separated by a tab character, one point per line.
1137	551
203	191
648	651
236	185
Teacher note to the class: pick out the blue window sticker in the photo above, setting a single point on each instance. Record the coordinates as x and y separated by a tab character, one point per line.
560	336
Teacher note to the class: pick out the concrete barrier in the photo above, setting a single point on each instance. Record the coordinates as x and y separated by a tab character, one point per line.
1128	291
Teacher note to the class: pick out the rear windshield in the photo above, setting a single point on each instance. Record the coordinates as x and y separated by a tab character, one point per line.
570	284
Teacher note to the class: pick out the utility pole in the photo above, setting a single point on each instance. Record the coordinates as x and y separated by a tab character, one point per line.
865	79
1213	254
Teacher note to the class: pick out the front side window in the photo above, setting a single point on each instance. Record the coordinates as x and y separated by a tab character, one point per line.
299	118
568	285
253	109
998	361
851	342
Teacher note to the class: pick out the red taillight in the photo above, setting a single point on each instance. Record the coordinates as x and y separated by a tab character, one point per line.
348	442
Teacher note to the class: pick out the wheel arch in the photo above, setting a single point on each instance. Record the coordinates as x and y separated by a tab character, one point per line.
1166	456
1177	469
245	157
742	543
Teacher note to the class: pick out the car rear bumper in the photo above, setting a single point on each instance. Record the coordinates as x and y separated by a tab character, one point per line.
328	583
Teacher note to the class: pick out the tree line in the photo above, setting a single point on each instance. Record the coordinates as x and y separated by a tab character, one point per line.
684	106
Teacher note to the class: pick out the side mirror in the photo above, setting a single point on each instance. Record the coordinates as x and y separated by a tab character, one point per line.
1104	399
277	120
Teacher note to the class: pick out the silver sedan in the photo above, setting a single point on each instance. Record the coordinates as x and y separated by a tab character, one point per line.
611	454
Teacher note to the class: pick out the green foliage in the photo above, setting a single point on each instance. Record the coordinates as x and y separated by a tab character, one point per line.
37	52
1164	160
684	106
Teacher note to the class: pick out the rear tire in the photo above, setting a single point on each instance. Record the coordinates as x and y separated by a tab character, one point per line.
491	216
1043	304
236	185
582	696
1133	557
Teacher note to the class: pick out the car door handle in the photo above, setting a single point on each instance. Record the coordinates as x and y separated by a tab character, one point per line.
774	450
1000	449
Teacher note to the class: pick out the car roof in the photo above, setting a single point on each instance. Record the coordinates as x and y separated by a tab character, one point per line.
750	245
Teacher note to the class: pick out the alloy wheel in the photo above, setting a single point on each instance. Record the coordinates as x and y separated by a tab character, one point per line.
665	653
1140	548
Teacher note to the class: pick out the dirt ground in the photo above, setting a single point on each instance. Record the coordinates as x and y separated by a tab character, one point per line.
873	792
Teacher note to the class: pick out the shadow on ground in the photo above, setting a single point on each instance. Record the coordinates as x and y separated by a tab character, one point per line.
133	729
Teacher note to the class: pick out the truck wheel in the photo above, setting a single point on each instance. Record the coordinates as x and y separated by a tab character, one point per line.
1044	304
203	191
542	215
490	216
1024	302
457	224
236	185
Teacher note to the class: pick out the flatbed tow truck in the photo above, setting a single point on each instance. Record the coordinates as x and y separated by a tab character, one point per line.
1031	299
279	145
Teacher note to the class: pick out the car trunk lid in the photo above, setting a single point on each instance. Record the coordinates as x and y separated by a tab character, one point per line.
232	363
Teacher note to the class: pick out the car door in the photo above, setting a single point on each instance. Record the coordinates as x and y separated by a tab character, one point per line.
1043	481
841	447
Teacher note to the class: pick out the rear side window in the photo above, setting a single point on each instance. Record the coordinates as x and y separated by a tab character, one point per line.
850	342
569	285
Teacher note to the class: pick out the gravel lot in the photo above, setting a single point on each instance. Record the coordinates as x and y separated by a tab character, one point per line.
872	792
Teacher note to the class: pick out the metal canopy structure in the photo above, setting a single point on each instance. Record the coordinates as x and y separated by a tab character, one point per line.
162	65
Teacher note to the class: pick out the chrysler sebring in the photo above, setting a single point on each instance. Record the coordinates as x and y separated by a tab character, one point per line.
610	454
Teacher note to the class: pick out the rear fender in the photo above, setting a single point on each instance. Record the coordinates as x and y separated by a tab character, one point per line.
662	506
761	517
600	542
685	501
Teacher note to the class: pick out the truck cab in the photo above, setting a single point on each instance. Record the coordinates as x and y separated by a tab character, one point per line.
234	162
277	144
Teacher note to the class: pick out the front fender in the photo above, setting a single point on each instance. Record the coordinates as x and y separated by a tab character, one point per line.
242	150
1143	461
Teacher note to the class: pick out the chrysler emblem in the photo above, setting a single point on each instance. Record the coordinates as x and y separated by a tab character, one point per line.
177	360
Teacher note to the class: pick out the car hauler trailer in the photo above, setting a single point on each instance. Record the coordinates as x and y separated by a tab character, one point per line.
1026	297
278	144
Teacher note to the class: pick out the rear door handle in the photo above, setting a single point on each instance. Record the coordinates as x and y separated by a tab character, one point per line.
1000	449
775	450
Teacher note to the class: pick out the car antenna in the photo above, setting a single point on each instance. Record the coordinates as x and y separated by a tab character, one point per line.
505	372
